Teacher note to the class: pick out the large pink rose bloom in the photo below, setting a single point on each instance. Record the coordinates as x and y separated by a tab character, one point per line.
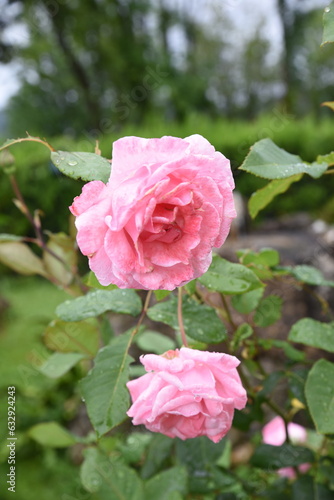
153	225
187	393
274	433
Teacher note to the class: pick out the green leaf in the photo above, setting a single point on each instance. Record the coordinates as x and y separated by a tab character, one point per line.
98	302
247	302
62	246
20	258
309	275
267	456
200	321
85	166
161	294
228	278
328	19
110	479
289	350
76	336
242	333
166	484
268	311
310	332
104	389
329	158
151	341
51	434
159	450
319	391
91	280
60	363
262	197
9	237
268	161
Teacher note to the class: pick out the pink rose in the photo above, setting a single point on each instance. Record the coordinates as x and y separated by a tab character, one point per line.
274	433
153	225
187	393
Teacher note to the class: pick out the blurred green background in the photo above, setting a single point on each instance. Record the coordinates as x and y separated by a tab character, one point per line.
80	71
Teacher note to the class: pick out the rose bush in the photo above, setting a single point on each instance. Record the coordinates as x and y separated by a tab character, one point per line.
187	393
167	203
274	433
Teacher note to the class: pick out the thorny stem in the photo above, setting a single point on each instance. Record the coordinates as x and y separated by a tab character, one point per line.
180	318
39	234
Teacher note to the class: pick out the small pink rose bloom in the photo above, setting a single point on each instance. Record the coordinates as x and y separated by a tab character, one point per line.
167	203
187	393
274	433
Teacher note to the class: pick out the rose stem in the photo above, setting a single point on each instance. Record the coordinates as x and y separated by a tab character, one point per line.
180	318
143	313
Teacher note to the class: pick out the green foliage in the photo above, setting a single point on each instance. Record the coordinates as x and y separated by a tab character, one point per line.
228	278
268	311
84	166
107	407
51	434
267	456
310	332
60	363
74	336
200	321
153	341
99	301
328	34
319	391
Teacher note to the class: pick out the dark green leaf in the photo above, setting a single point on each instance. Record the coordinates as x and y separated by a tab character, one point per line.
51	434
200	321
313	333
319	391
85	166
248	301
110	479
275	457
104	389
165	484
74	336
159	450
98	302
228	278
262	197
267	160
242	333
268	311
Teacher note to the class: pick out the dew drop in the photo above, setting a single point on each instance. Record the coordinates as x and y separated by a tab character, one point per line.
327	9
72	163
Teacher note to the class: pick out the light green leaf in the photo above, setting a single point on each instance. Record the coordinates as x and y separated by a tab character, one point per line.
310	332
104	389
9	237
166	484
51	434
60	363
242	333
85	166
329	158
262	197
267	456
62	246
268	311
20	258
151	341
268	161
161	294
110	479
74	336
228	278
328	34
200	321
319	391
98	302
91	280
247	302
